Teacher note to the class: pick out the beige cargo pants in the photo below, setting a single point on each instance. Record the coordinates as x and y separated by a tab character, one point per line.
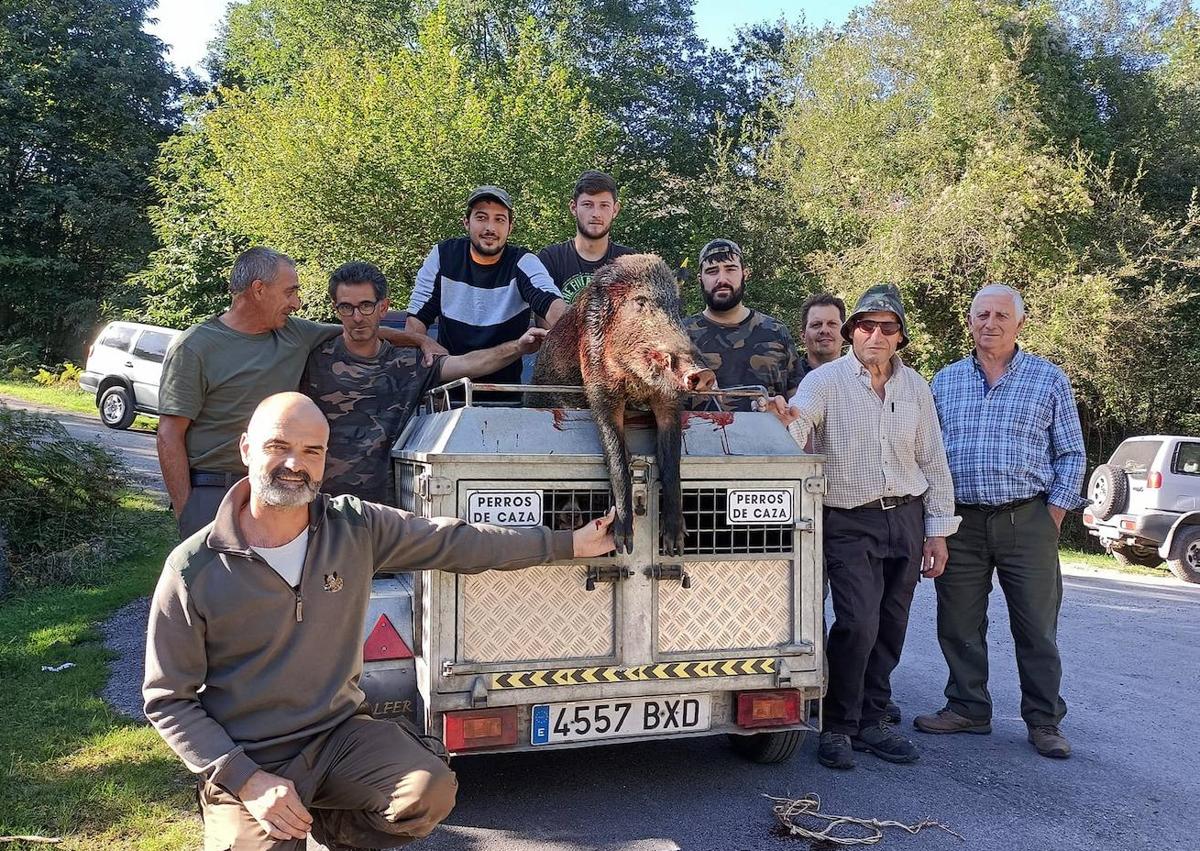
368	784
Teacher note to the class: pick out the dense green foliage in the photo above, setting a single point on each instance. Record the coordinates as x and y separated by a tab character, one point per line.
85	100
58	497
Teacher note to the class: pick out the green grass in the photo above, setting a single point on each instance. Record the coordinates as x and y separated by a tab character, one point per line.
71	767
1107	562
66	397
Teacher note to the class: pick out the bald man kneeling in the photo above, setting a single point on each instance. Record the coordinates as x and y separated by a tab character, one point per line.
253	652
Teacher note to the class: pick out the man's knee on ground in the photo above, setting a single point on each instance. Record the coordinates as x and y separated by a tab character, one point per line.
424	798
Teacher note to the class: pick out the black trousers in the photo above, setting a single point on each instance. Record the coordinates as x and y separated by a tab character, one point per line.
872	561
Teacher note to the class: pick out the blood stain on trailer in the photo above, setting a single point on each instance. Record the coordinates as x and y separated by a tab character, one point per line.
719	419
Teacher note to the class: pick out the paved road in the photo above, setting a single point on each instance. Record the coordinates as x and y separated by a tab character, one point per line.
1132	682
136	448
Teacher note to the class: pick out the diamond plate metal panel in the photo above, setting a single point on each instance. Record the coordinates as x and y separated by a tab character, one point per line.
731	605
533	614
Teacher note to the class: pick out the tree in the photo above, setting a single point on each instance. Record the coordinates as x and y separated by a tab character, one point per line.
85	100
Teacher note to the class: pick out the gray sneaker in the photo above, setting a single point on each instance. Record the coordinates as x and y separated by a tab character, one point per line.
1049	741
946	720
881	740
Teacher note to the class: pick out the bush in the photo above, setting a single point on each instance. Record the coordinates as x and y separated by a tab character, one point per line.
65	373
57	499
17	359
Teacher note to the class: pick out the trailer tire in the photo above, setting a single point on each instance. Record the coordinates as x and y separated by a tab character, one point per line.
767	748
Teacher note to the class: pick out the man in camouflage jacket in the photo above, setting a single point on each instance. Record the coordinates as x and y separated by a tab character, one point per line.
741	345
368	388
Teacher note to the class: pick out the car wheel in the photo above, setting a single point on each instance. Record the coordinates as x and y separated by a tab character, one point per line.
1186	564
1108	489
116	407
766	748
1137	556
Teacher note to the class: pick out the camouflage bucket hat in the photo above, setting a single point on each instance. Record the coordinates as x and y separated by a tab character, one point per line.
881	297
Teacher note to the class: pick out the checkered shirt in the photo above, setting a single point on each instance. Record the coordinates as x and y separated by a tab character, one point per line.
1015	440
874	447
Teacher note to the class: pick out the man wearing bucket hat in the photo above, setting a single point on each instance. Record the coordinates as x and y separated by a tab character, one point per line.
480	289
888	511
739	344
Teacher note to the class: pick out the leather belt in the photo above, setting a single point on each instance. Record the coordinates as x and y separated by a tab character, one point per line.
886	503
208	479
1005	506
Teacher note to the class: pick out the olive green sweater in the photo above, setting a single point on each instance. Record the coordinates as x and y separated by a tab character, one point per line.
242	669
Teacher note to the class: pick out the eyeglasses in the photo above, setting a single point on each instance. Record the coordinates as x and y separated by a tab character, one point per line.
366	308
868	326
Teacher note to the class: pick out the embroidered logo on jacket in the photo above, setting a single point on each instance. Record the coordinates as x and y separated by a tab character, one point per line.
333	582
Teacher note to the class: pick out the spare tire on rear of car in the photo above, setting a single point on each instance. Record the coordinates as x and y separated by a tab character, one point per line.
1108	489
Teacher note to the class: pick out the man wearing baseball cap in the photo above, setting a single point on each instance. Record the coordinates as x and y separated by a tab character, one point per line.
739	344
480	289
888	512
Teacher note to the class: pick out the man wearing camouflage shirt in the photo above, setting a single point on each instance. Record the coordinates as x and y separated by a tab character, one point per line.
368	388
742	346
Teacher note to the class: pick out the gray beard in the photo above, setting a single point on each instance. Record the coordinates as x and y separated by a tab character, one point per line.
277	495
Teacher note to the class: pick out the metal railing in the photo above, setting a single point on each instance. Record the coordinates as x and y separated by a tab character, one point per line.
470	388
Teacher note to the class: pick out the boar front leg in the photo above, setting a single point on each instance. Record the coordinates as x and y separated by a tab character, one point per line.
672	529
609	414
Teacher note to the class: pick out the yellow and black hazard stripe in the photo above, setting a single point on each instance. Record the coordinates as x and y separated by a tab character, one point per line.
666	671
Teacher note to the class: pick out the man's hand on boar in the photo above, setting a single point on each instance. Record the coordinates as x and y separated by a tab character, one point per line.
531	340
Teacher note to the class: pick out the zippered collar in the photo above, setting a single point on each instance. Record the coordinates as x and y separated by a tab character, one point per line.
226	534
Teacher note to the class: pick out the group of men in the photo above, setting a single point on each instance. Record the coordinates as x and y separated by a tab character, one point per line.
274	438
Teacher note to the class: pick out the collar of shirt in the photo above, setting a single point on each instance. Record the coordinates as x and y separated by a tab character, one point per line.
1017	357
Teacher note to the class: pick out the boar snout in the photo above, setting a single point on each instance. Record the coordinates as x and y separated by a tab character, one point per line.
701	380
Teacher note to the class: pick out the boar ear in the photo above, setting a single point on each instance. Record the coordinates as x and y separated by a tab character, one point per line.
658	358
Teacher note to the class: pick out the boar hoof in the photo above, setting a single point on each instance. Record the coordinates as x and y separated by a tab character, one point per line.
622	529
672	537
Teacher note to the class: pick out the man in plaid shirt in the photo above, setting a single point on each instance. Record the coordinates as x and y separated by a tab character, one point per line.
889	509
1012	435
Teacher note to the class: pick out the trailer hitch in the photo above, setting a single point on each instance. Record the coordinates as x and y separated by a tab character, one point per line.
606	573
659	572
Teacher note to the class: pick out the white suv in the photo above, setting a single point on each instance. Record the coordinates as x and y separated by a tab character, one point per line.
123	369
1146	503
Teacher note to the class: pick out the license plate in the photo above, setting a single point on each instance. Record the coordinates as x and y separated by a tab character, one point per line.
586	720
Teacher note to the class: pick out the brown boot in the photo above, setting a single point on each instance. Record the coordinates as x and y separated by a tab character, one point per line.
1050	741
948	721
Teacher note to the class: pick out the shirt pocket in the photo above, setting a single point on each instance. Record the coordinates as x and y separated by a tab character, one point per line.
900	424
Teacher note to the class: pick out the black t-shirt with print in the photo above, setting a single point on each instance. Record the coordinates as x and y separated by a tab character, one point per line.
571	273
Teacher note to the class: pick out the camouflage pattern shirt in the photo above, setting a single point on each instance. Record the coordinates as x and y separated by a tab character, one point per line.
367	401
758	350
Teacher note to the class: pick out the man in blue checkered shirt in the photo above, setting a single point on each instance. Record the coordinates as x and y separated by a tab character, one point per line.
1015	448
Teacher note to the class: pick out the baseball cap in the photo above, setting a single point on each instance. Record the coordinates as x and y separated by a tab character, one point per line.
494	193
717	247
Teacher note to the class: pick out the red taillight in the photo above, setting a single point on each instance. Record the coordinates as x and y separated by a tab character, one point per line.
385	643
1129	525
1088	517
479	728
768	708
1154	480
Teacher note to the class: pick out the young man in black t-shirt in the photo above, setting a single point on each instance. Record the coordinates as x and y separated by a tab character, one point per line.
594	205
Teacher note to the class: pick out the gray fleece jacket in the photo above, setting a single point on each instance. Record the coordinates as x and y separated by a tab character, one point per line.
242	670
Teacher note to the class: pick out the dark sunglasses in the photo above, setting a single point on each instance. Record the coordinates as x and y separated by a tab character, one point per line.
366	308
869	325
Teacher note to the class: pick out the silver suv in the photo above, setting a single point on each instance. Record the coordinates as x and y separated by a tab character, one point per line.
123	369
1146	503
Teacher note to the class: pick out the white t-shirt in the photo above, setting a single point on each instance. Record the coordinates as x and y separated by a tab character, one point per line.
288	560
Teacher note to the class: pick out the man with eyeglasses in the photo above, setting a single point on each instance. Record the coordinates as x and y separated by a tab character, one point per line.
1017	457
888	511
368	389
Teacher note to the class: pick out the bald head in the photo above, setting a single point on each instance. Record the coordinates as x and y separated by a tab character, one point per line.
284	450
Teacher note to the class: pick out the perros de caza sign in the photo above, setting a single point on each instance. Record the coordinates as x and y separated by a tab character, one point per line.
751	507
505	508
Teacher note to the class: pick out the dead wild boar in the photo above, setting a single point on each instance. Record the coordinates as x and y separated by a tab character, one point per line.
623	341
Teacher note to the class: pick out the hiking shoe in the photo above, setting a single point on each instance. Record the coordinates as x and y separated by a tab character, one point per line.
835	751
946	720
885	743
891	713
1049	741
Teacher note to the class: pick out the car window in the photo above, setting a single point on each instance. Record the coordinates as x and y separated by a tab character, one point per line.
152	346
1187	459
1135	456
118	337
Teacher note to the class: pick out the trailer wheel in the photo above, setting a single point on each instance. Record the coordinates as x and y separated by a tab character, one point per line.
766	748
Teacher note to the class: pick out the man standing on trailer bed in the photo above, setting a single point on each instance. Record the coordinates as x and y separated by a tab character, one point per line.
888	512
253	651
368	389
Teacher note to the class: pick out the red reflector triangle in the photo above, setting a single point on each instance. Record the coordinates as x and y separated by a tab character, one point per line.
384	643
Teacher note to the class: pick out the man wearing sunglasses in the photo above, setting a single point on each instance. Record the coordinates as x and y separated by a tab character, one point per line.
888	511
368	389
